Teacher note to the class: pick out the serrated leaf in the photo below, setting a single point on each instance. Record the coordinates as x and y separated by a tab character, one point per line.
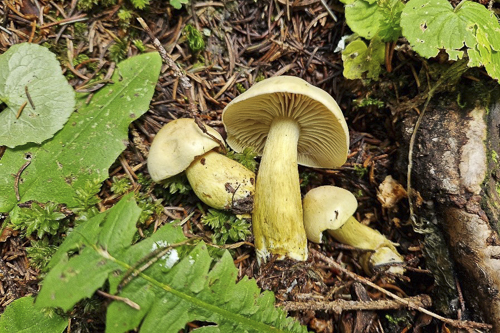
432	25
361	61
179	285
21	316
35	68
88	144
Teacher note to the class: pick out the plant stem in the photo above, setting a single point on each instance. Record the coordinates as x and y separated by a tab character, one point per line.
277	220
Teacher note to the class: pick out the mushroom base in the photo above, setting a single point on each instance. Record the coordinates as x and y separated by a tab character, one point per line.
363	237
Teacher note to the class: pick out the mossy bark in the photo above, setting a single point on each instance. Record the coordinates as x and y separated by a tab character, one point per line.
456	172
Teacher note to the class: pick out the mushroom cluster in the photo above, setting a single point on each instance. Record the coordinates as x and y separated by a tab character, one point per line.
289	122
217	180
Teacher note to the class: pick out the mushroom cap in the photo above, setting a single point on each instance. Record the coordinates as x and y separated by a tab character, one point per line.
327	208
324	137
176	146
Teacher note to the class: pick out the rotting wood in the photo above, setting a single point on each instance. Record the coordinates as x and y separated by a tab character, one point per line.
456	174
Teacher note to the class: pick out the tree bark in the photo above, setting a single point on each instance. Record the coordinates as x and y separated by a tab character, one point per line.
456	172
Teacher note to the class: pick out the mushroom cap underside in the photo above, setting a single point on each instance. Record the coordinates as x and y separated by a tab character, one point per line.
176	146
326	208
324	137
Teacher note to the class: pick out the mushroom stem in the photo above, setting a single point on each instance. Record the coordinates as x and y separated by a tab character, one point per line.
363	237
277	219
222	183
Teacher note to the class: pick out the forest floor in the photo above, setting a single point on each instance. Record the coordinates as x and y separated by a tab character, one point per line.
246	41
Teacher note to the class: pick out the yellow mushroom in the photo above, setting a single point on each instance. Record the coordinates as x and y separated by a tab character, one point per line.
288	122
331	208
217	180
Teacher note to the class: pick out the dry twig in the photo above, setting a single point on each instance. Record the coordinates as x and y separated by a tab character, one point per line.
464	324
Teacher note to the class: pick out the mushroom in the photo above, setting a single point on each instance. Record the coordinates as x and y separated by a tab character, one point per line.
330	208
217	180
288	122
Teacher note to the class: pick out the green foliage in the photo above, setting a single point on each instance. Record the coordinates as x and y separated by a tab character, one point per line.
390	29
82	152
306	177
433	25
360	171
118	51
173	282
31	72
149	207
86	198
370	102
120	185
40	252
363	17
226	226
194	38
91	4
125	15
22	317
87	5
177	4
177	184
245	158
39	219
241	89
139	45
140	4
361	61
429	26
370	18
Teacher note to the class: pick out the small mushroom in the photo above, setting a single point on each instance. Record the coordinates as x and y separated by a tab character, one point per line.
330	208
288	122
217	180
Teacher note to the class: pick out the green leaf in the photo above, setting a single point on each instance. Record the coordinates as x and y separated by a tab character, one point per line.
89	143
390	28
369	18
22	317
177	4
79	277
33	68
363	17
432	25
177	285
361	61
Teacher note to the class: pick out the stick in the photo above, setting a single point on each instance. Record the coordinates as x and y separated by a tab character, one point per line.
29	97
130	303
18	175
21	110
455	323
340	305
148	261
